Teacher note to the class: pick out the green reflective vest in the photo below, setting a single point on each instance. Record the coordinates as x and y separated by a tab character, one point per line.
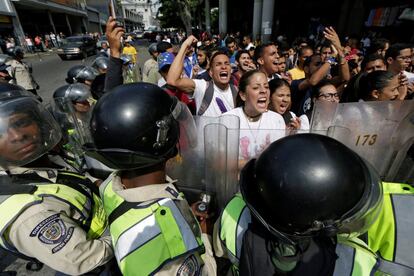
354	256
392	234
71	192
146	236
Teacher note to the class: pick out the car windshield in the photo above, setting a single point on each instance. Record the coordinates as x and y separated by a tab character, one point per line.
74	40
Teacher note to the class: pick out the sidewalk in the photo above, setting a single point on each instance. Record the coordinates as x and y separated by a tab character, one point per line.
40	54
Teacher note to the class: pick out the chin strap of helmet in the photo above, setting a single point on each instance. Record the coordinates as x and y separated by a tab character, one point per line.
285	256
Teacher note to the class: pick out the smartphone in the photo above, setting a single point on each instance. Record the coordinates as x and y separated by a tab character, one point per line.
111	7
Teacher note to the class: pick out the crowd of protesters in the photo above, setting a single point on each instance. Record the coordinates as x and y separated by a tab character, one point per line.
298	74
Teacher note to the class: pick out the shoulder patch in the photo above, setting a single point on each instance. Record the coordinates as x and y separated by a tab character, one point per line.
173	192
51	231
190	267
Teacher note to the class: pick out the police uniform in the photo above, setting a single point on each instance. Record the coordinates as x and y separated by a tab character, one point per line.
154	231
391	235
60	222
230	229
20	72
307	222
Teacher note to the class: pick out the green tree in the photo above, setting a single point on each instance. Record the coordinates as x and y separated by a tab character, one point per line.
179	13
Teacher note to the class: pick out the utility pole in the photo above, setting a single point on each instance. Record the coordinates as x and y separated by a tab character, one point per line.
267	19
223	16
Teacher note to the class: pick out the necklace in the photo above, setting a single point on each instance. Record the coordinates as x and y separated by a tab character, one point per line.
252	118
254	131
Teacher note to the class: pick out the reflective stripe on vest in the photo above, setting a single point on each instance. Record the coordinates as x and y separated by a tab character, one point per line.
156	229
392	233
354	258
12	206
391	268
234	222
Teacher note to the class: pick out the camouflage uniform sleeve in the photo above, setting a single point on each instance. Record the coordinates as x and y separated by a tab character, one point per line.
58	241
210	266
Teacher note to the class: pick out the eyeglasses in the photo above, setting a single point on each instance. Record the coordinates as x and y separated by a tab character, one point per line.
328	96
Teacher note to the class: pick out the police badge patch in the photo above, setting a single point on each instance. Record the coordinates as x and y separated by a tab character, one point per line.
190	267
52	230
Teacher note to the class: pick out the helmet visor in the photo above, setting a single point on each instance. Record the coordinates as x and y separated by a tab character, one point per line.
357	221
188	130
27	131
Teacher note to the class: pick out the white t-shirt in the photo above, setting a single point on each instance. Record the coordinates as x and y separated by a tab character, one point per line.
162	82
257	136
410	76
249	46
220	96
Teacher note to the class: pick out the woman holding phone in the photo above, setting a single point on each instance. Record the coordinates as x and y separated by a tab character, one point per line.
280	102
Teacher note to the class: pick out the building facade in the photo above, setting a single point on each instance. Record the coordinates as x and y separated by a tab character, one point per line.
146	8
268	18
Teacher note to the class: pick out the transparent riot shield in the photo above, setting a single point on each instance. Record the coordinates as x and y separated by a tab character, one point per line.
210	168
75	129
381	132
72	128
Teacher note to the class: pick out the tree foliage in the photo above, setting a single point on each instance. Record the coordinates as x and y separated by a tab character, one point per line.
180	13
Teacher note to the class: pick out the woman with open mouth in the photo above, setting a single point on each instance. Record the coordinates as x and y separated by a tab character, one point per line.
280	102
258	126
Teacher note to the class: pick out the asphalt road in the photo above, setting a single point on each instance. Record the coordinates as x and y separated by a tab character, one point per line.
50	73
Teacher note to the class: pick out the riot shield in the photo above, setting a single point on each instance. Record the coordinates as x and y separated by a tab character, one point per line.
75	129
72	128
381	132
209	168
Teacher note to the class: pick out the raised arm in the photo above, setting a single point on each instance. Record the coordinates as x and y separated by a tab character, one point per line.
174	74
114	74
332	36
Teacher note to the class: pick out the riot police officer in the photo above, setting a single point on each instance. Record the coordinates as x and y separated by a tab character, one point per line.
81	73
303	203
49	215
72	109
20	71
135	129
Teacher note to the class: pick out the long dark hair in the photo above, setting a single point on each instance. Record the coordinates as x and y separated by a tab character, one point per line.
376	80
243	83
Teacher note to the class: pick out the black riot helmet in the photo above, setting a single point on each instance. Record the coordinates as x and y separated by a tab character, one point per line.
101	63
71	93
81	73
15	52
27	129
4	58
136	126
306	185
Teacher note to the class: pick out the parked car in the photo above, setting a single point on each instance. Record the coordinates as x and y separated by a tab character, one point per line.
77	46
139	35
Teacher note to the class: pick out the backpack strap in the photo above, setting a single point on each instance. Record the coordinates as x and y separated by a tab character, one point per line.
234	92
208	97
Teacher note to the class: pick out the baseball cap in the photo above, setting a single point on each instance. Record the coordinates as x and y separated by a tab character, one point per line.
165	59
